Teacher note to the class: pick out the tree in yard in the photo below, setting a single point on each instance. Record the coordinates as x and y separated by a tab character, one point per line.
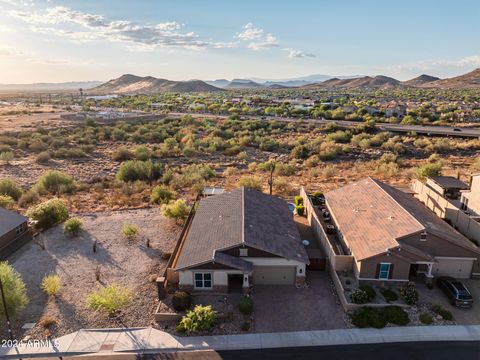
251	182
14	289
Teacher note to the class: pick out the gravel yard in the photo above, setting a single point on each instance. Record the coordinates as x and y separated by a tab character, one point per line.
128	263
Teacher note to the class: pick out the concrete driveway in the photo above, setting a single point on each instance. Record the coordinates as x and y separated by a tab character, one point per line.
286	308
461	316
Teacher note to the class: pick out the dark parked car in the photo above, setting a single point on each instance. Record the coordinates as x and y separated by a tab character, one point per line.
456	291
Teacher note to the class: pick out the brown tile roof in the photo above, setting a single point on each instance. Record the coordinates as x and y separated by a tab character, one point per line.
9	220
241	217
373	217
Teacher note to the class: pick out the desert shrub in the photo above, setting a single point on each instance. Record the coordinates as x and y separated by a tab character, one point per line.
340	136
14	289
201	318
133	170
166	255
5	148
6	201
395	315
300	152
177	209
370	291
55	182
359	296
282	186
122	154
409	294
6	157
142	153
329	151
48	213
72	226
368	317
29	197
388	158
51	284
440	310
329	171
389	295
10	188
428	170
66	153
245	306
242	156
425	319
109	299
43	157
129	231
161	194
251	182
47	321
181	300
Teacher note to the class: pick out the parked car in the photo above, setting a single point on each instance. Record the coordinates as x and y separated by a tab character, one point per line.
456	291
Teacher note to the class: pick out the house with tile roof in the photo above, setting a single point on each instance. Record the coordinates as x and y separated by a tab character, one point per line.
393	237
238	239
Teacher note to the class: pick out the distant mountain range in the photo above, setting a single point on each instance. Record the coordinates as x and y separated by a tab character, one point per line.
132	84
42	87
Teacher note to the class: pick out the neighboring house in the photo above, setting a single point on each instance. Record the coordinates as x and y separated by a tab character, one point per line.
395	109
393	237
13	232
471	199
448	186
238	239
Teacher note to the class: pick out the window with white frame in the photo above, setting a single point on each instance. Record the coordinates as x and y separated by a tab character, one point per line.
384	271
203	280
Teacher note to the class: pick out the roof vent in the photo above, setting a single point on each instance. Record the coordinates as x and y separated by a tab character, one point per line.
391	217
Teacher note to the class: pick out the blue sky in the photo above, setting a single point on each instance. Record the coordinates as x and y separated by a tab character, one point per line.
54	40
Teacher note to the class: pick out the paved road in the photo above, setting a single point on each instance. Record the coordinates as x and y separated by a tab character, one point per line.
419	129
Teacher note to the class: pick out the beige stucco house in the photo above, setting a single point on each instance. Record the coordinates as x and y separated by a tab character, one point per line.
239	239
394	238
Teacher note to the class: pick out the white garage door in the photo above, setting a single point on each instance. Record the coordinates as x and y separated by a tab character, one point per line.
269	275
460	269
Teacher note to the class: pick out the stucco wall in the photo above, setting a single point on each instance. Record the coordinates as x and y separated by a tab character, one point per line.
473	195
368	269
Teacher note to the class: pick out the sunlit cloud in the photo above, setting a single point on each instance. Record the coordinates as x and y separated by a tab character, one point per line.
292	54
258	40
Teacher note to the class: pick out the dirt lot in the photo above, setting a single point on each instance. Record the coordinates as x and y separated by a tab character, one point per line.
129	263
13	119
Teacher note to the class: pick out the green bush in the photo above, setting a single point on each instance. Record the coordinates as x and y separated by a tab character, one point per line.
122	154
298	200
409	294
300	209
6	201
395	315
10	188
359	296
444	313
43	157
72	226
428	170
161	194
51	284
129	231
48	213
246	306
389	295
181	300
109	299
6	157
177	209
251	182
133	170
370	291
29	197
201	318
368	317
14	289
55	182
425	319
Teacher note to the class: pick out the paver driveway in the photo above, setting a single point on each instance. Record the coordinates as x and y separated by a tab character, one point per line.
286	308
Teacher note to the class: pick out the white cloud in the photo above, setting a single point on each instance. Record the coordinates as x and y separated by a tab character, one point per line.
10	52
258	40
250	32
59	20
292	54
